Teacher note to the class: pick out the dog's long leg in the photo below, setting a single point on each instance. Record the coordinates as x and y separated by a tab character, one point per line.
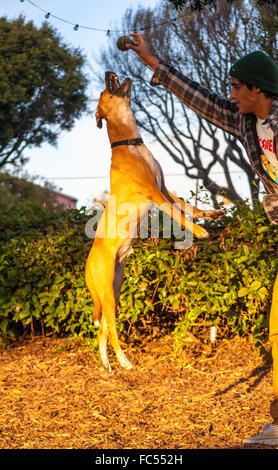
90	284
106	277
108	311
107	328
102	344
185	206
158	198
118	279
213	214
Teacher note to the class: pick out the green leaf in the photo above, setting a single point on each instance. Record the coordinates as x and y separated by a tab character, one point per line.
256	285
243	292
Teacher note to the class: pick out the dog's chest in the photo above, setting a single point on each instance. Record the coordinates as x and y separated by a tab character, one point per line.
153	164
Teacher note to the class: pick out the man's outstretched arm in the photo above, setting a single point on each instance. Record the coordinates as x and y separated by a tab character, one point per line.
219	111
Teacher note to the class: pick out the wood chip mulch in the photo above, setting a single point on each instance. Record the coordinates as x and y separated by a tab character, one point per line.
55	395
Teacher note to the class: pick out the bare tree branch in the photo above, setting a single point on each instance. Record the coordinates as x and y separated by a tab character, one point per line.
203	46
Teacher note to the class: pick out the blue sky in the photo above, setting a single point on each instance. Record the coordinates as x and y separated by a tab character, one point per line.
85	150
79	165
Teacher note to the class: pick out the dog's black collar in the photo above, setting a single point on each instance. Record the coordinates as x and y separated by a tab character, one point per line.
137	141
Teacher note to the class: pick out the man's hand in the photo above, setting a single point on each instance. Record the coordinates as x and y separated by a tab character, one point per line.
142	50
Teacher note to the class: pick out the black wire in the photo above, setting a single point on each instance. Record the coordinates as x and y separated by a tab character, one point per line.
77	26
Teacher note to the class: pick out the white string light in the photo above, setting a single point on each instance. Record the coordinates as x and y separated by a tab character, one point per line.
48	14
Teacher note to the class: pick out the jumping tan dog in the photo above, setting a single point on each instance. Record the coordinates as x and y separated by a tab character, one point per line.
136	178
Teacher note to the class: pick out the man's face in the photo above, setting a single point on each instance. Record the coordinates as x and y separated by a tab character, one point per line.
245	99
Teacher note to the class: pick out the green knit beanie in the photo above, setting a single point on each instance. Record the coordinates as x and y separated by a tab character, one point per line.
257	69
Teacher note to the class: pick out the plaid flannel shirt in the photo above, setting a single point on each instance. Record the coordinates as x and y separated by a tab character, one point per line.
223	113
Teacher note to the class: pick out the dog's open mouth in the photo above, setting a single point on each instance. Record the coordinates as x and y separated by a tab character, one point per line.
113	85
112	82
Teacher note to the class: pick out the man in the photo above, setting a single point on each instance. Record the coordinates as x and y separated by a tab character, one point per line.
251	115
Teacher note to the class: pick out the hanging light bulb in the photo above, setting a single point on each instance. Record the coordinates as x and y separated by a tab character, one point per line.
76	27
47	15
108	33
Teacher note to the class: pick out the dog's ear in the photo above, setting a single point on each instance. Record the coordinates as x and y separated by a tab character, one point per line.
98	119
127	86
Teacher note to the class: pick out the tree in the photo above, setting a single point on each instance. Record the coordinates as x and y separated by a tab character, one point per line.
203	45
16	190
42	87
200	4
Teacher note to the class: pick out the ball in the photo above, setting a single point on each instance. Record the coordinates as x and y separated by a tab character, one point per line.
122	41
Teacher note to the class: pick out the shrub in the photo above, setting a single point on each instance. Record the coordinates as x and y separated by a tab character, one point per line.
43	256
226	280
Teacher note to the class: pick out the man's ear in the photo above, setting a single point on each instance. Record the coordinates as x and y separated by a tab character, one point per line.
258	90
99	119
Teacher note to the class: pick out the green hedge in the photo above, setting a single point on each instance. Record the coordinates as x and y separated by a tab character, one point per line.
42	262
226	280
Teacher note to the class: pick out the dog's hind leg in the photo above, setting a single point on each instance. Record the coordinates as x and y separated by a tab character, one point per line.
108	326
97	276
104	332
108	278
97	309
118	280
93	292
102	344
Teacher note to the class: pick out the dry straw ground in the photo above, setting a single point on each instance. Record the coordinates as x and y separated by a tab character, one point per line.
55	395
